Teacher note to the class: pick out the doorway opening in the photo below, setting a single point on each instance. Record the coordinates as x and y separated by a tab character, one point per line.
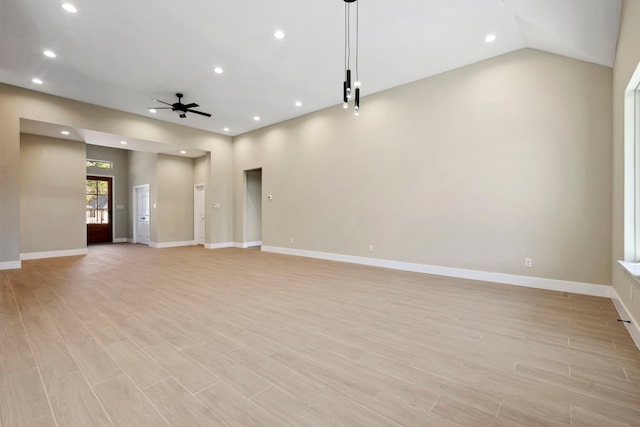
199	220
99	209
253	208
141	214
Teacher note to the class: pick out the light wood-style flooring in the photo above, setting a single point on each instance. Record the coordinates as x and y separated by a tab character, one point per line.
133	336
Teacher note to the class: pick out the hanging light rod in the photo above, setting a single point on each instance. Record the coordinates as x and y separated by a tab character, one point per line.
347	91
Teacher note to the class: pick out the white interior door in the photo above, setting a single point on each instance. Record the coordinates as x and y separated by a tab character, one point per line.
199	215
142	213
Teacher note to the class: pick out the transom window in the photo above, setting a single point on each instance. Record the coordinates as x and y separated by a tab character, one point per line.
102	164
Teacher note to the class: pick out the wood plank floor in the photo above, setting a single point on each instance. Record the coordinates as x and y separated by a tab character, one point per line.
132	336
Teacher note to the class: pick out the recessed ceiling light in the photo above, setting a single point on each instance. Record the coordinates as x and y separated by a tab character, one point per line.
256	118
490	38
279	35
153	110
69	7
226	129
218	70
183	152
123	142
49	53
37	81
64	132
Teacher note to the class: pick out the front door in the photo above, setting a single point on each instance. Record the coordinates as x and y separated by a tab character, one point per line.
99	209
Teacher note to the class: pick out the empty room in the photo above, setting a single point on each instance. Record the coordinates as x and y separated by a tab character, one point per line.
335	213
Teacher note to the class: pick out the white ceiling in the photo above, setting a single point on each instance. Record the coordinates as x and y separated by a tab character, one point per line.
122	54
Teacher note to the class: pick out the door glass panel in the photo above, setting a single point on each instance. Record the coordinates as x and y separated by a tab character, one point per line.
97	198
91	187
103	187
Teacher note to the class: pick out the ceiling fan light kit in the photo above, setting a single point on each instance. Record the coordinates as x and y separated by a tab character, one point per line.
181	108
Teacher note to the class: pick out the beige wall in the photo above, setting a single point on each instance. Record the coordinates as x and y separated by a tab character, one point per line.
120	173
16	103
476	168
9	186
627	59
220	190
175	199
200	170
52	192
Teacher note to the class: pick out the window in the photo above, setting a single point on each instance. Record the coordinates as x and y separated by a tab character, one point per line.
632	169
102	164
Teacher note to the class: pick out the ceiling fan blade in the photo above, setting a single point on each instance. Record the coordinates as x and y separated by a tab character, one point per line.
160	108
199	112
162	102
192	105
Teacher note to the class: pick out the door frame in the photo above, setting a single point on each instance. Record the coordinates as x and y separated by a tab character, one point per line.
113	198
134	211
196	217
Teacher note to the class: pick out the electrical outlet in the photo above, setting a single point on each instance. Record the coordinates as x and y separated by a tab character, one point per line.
291	240
370	248
528	262
631	292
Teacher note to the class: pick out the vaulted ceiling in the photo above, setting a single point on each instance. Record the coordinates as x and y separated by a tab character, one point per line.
122	54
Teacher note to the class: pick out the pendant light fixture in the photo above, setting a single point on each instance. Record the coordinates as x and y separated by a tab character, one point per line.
347	90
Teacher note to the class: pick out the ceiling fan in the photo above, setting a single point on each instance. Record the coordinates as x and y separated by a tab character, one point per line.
181	108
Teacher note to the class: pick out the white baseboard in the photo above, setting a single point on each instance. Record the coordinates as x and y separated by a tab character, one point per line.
120	240
218	245
171	244
10	265
508	279
245	245
53	254
623	311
